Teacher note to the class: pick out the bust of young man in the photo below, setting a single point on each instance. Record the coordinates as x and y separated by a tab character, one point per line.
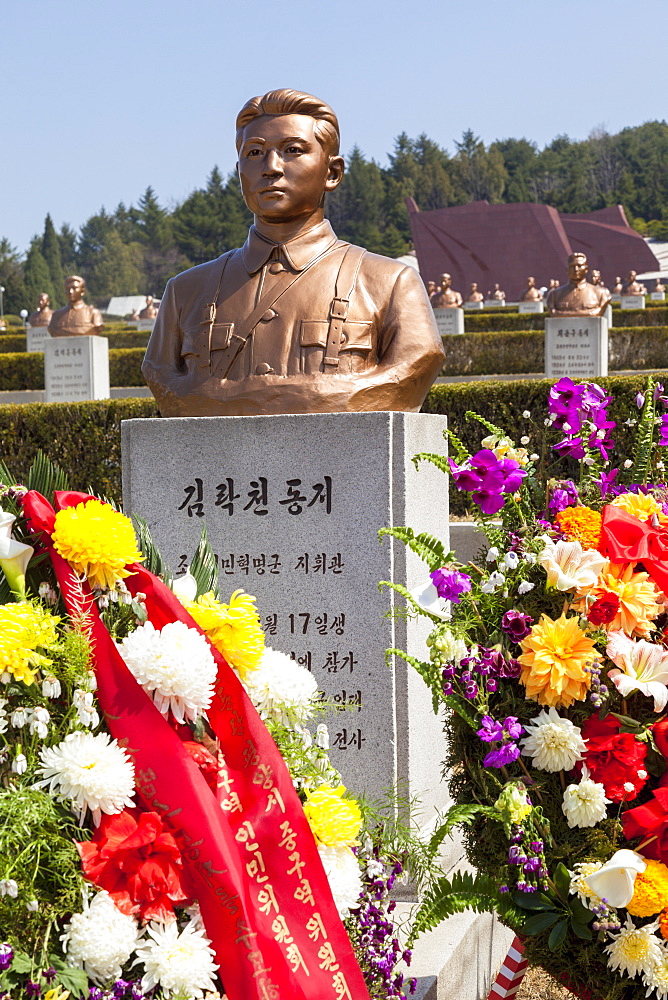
43	313
578	297
295	321
77	318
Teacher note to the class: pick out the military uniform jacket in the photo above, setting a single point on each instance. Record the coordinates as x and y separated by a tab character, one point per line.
387	352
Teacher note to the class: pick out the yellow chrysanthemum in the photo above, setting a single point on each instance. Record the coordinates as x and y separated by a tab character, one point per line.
25	628
234	628
581	524
335	821
97	541
650	890
639	599
554	657
640	505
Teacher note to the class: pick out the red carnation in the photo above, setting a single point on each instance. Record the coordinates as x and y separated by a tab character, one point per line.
614	759
138	862
660	734
650	820
604	610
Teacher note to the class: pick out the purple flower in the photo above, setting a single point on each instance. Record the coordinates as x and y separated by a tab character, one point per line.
489	503
512	727
571	447
516	625
450	584
511	670
605	481
491	730
640	400
564	495
487	477
505	754
49	974
663	432
32	989
6	956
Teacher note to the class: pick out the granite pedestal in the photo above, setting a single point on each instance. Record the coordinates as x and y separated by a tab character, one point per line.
495	303
473	305
576	347
449	321
36	337
657	296
292	506
75	369
633	302
531	307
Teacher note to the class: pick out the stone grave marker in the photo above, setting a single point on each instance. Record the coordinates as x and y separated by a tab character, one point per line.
532	307
633	302
657	296
576	347
76	368
615	298
36	337
473	305
292	506
495	303
449	321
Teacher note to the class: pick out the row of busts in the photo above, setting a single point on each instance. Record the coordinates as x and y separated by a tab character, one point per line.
77	318
578	293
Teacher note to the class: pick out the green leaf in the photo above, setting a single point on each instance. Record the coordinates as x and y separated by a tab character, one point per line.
74	980
426	546
581	931
203	567
46	477
492	428
153	561
562	881
462	892
440	461
557	935
461	451
21	963
540	922
581	914
462	815
533	901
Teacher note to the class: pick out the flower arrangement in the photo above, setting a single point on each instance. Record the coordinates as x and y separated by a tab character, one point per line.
548	657
99	895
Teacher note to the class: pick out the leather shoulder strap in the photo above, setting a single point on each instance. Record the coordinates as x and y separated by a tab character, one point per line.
346	280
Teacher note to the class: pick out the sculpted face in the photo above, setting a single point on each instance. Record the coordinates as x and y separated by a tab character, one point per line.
74	289
595	277
283	169
577	268
43	301
474	286
446	281
632	276
531	282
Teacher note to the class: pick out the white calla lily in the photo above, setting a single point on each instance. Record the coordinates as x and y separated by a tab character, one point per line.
185	588
14	556
426	596
569	567
643	666
615	881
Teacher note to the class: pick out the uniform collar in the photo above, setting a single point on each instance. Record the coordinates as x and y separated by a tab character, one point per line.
298	253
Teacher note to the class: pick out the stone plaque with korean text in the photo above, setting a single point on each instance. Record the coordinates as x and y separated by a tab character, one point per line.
449	321
36	337
633	302
292	506
576	347
76	368
531	307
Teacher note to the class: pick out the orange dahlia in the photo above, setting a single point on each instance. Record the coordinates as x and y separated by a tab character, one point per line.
581	524
639	599
553	660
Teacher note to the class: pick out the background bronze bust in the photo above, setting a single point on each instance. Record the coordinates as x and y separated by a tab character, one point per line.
43	313
531	293
474	295
578	297
447	297
149	311
295	321
77	319
632	286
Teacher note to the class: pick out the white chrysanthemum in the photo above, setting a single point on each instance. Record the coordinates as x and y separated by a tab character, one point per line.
281	689
554	743
174	665
343	873
585	804
101	939
656	978
634	950
178	963
93	772
578	885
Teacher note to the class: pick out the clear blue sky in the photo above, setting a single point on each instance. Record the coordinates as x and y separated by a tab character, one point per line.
101	99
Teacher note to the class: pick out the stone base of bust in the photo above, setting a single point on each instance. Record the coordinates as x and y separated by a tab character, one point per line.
36	337
657	296
576	346
473	305
449	321
280	394
537	306
314	563
632	302
495	303
76	369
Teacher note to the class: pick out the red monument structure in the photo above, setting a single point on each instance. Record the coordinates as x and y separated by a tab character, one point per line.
503	243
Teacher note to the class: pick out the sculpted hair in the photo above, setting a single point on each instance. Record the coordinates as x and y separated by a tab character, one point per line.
293	102
75	277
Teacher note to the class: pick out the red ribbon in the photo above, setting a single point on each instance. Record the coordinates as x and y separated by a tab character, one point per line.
250	855
629	540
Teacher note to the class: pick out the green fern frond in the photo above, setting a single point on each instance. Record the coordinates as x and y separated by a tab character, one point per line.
431	675
642	454
427	547
203	566
400	589
492	428
46	477
457	445
462	892
462	815
440	461
153	560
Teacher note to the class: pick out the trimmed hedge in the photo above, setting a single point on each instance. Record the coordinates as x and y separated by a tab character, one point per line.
511	352
26	371
84	438
501	319
118	339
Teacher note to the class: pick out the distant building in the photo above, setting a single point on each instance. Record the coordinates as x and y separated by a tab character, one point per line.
504	243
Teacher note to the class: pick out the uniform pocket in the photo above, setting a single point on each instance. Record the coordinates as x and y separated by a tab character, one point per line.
354	350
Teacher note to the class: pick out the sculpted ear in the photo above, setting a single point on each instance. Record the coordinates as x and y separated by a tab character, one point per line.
335	172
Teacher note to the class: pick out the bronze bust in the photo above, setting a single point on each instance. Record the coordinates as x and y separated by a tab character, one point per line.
531	293
43	313
474	295
446	297
578	297
632	286
77	319
295	321
149	311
